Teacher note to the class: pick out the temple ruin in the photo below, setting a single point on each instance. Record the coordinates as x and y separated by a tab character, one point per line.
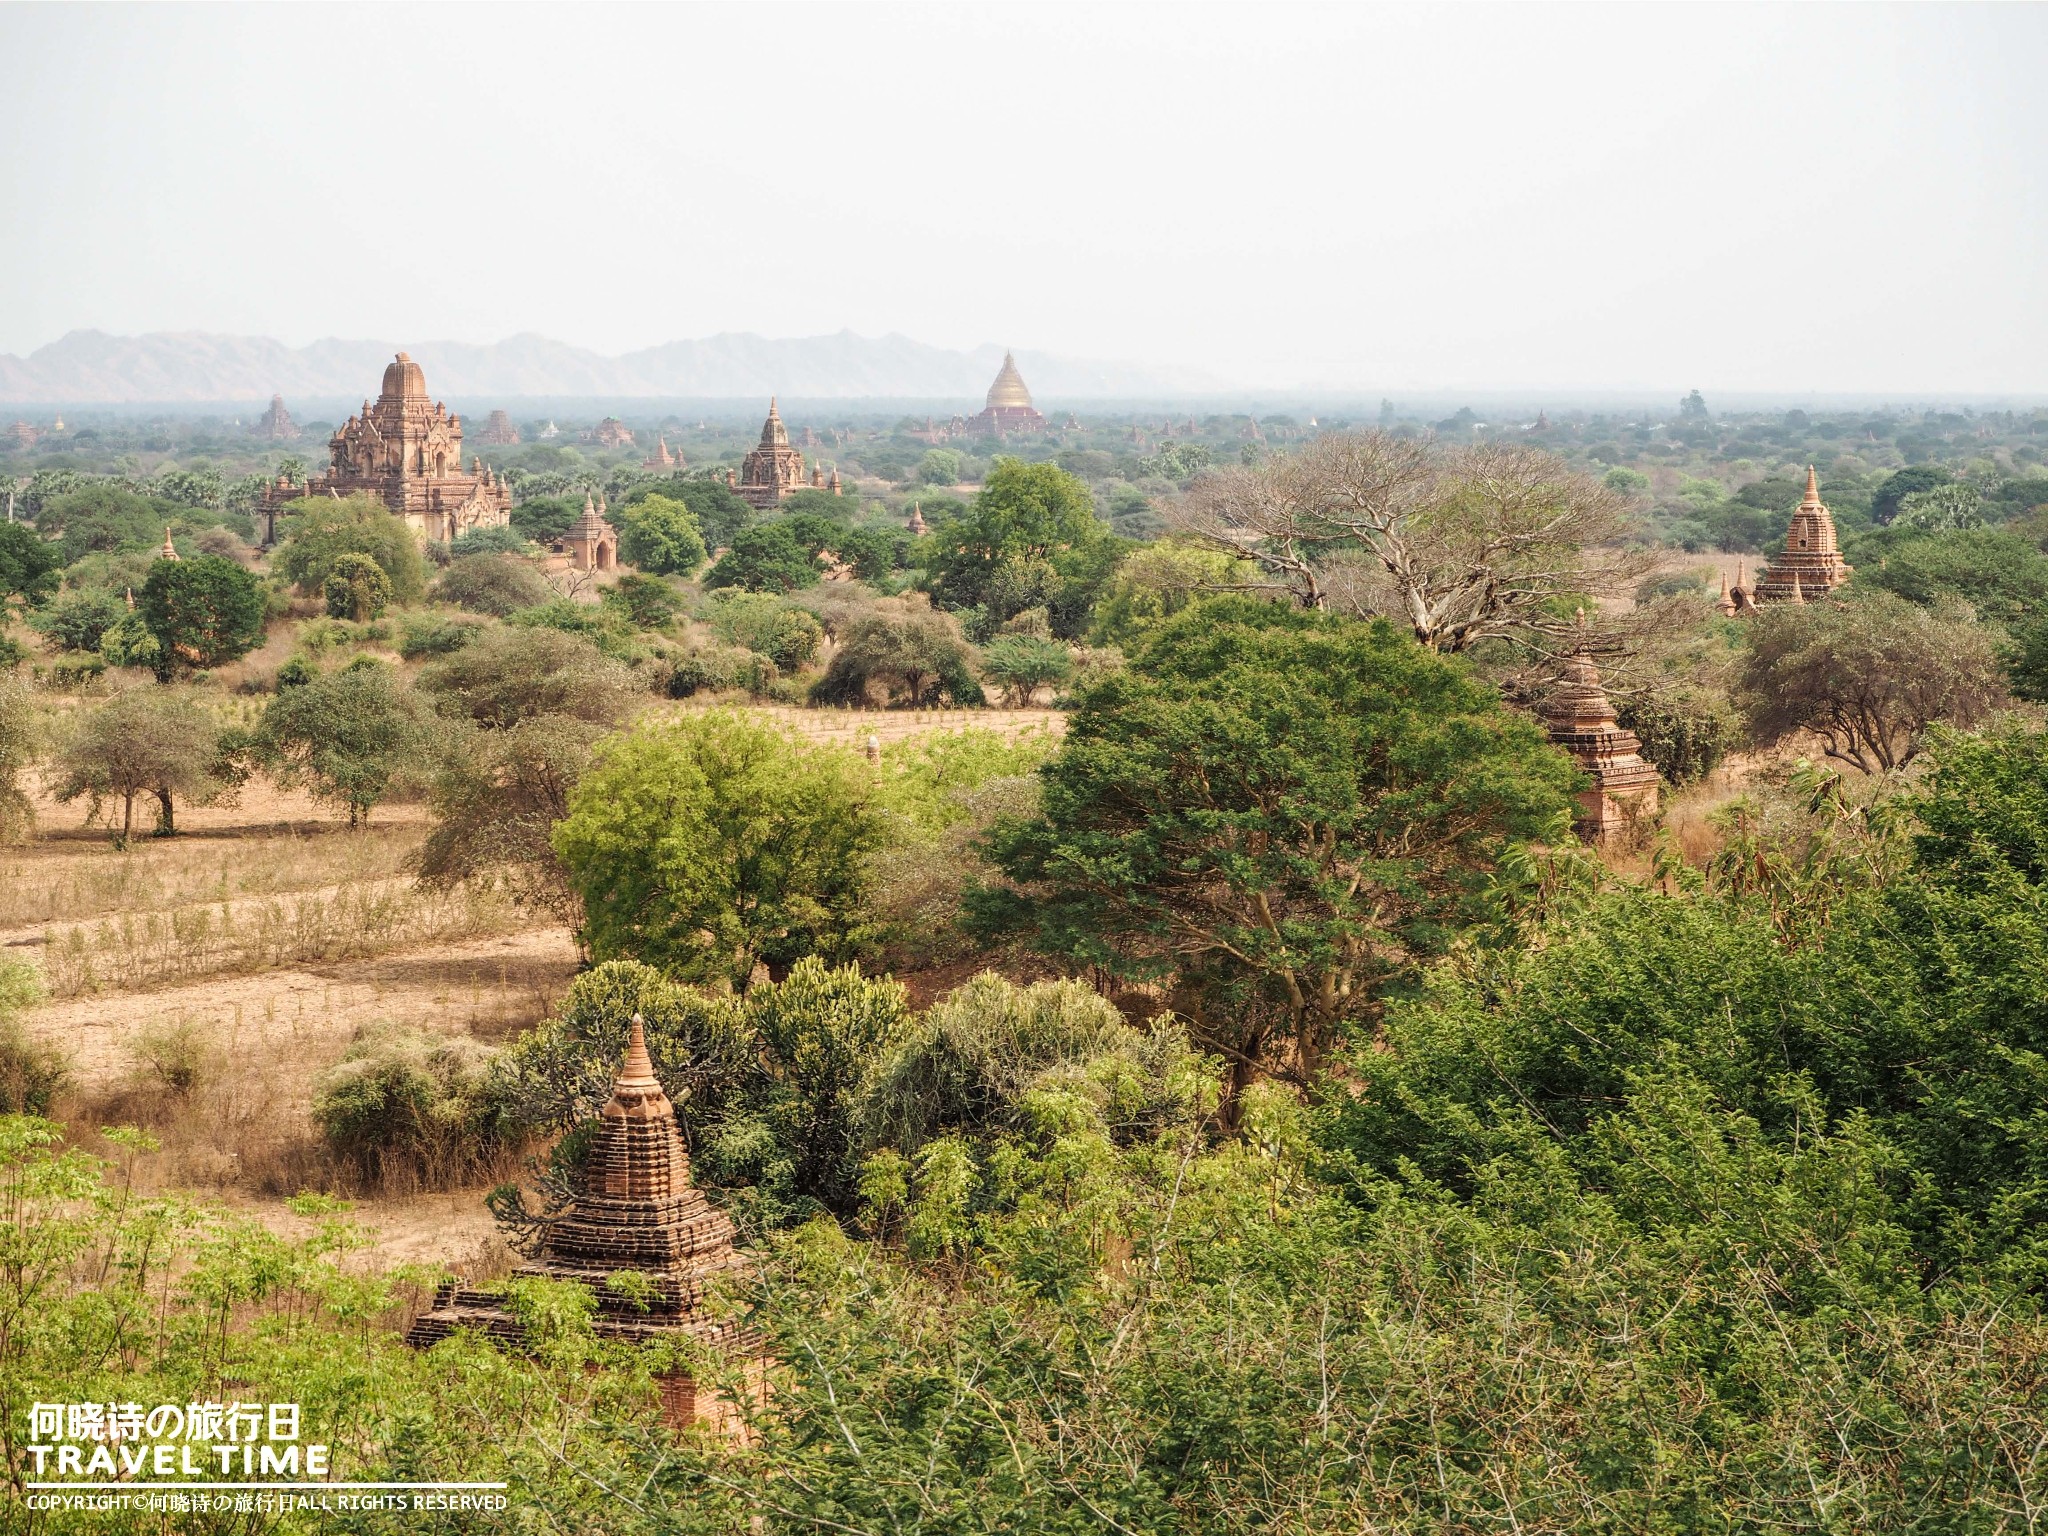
1009	407
276	424
405	449
610	433
636	1210
1581	720
498	432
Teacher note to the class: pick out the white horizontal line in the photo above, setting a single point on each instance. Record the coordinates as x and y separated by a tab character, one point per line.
272	1487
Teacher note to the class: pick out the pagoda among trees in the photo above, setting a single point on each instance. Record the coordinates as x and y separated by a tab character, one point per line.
498	432
1810	565
1581	719
1009	407
772	469
405	448
635	1211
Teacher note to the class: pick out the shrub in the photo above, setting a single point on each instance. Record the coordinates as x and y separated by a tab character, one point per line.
489	541
77	621
720	669
356	588
434	634
646	601
319	532
786	635
32	1072
1686	730
515	673
495	584
414	1109
912	661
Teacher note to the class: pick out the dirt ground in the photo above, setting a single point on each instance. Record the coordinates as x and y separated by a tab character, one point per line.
256	945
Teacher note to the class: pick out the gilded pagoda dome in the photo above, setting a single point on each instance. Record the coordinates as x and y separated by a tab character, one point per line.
1008	391
403	380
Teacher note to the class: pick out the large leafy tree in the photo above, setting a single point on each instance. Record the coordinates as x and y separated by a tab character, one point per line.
1030	540
719	843
1278	811
661	536
28	564
351	735
321	532
145	742
1868	674
203	613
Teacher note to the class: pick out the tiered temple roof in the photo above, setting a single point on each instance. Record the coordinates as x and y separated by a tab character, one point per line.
406	450
610	433
635	1209
593	544
276	424
1581	720
498	431
1009	407
773	469
1810	565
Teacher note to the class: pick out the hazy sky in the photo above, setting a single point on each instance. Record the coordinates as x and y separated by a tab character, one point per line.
1773	198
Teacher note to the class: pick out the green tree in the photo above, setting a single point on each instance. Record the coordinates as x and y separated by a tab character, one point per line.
716	844
1025	518
146	741
1279	812
766	558
202	613
78	620
939	466
661	537
786	635
913	661
19	739
646	601
28	564
351	735
517	673
2001	575
1886	500
356	588
500	585
319	532
1020	665
1867	674
1156	581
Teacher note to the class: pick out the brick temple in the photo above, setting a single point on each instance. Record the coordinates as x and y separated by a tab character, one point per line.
498	432
1581	720
593	544
772	469
1009	407
276	424
634	1209
1810	565
405	448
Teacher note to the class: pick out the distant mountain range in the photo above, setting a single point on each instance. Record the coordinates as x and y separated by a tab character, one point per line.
91	367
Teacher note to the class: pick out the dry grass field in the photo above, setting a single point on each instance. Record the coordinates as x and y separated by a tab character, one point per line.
200	985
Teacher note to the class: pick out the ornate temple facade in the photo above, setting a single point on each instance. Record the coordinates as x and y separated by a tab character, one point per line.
405	448
1009	407
1581	720
772	469
276	424
498	432
1810	565
635	1209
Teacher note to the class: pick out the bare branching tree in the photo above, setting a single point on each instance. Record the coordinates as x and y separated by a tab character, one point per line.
1458	543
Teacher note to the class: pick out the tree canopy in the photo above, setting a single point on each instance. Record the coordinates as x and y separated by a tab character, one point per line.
203	612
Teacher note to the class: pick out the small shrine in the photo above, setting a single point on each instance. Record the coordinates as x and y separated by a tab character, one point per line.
1581	720
635	1209
772	469
1810	565
593	544
661	458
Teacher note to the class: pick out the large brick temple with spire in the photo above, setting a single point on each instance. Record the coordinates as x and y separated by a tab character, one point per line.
405	448
634	1209
773	469
1810	565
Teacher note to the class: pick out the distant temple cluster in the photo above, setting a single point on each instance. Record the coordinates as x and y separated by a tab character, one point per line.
1808	566
405	449
635	1209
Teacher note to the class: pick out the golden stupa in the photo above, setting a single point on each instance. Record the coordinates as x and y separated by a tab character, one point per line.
1009	405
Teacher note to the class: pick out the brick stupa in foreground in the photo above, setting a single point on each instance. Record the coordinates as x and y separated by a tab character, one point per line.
1581	720
635	1209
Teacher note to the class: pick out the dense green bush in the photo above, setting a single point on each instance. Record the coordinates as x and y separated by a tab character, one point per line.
407	1108
494	584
